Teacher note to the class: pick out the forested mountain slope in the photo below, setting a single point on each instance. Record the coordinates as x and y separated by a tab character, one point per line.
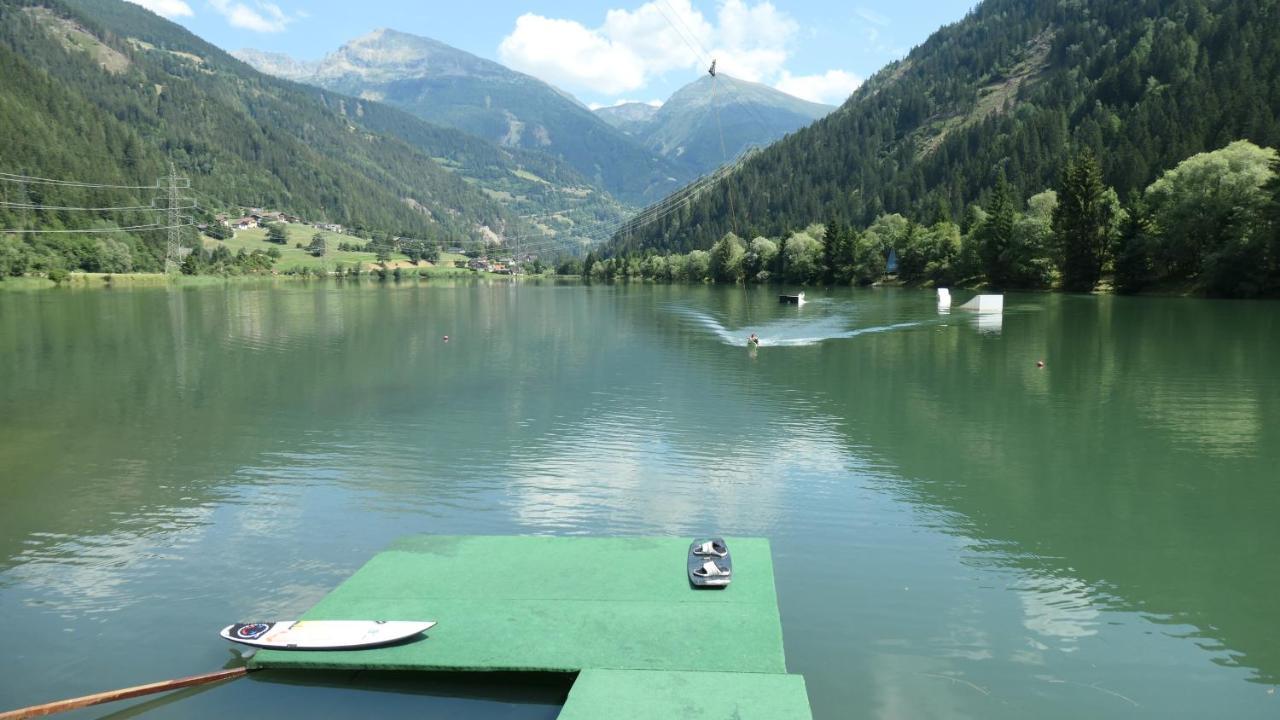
105	92
1012	90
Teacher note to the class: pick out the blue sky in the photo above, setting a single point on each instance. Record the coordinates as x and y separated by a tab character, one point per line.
605	52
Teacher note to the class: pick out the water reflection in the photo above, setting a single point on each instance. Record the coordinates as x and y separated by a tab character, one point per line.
956	531
1059	608
990	323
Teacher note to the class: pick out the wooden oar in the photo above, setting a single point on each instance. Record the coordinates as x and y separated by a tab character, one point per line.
122	694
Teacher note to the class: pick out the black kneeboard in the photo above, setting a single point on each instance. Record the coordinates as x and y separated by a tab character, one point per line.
710	564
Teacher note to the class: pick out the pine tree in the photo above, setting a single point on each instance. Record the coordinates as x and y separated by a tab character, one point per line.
1080	223
1133	253
1272	227
995	235
831	246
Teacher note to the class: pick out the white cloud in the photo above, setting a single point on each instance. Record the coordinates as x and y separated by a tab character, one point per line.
832	87
265	17
632	46
166	8
564	52
753	40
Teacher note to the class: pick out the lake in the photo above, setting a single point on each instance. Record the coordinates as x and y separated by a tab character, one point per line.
956	531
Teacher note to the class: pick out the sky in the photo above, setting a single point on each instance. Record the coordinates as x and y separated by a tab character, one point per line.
605	52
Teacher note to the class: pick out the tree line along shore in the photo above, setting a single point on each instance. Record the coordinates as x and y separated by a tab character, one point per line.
1209	226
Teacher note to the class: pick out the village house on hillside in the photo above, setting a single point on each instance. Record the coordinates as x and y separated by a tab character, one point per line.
257	217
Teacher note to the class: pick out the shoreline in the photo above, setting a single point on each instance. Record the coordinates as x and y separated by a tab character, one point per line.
107	281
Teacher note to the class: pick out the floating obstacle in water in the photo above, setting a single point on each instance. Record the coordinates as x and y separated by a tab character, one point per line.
944	298
797	299
645	643
985	304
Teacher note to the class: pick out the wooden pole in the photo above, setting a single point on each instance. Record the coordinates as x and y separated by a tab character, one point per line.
122	694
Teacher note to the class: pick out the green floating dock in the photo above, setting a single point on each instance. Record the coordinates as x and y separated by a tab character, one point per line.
618	611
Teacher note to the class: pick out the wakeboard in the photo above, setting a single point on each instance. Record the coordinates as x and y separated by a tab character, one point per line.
324	634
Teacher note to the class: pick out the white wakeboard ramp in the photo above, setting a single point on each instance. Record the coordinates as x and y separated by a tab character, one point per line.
985	304
324	634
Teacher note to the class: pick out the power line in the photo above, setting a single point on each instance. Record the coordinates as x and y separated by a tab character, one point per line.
12	177
37	206
173	203
606	229
705	55
657	214
130	228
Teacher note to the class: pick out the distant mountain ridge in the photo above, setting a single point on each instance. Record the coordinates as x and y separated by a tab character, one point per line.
277	64
448	86
632	118
690	126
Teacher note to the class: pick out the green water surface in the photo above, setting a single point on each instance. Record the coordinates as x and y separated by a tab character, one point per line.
957	532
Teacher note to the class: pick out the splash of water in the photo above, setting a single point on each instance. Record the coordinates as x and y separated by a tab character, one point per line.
792	332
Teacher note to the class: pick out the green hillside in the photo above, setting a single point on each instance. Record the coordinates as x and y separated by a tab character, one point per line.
1013	90
523	182
103	92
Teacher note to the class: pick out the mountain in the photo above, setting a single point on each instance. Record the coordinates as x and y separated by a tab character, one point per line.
1012	90
691	125
277	64
448	86
103	90
688	127
631	118
521	181
105	93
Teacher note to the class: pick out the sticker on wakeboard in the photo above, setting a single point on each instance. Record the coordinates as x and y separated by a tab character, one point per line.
250	631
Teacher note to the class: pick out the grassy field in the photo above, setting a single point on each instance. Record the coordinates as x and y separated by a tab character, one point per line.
292	256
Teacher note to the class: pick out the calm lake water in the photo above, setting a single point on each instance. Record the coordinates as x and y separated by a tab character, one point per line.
956	532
